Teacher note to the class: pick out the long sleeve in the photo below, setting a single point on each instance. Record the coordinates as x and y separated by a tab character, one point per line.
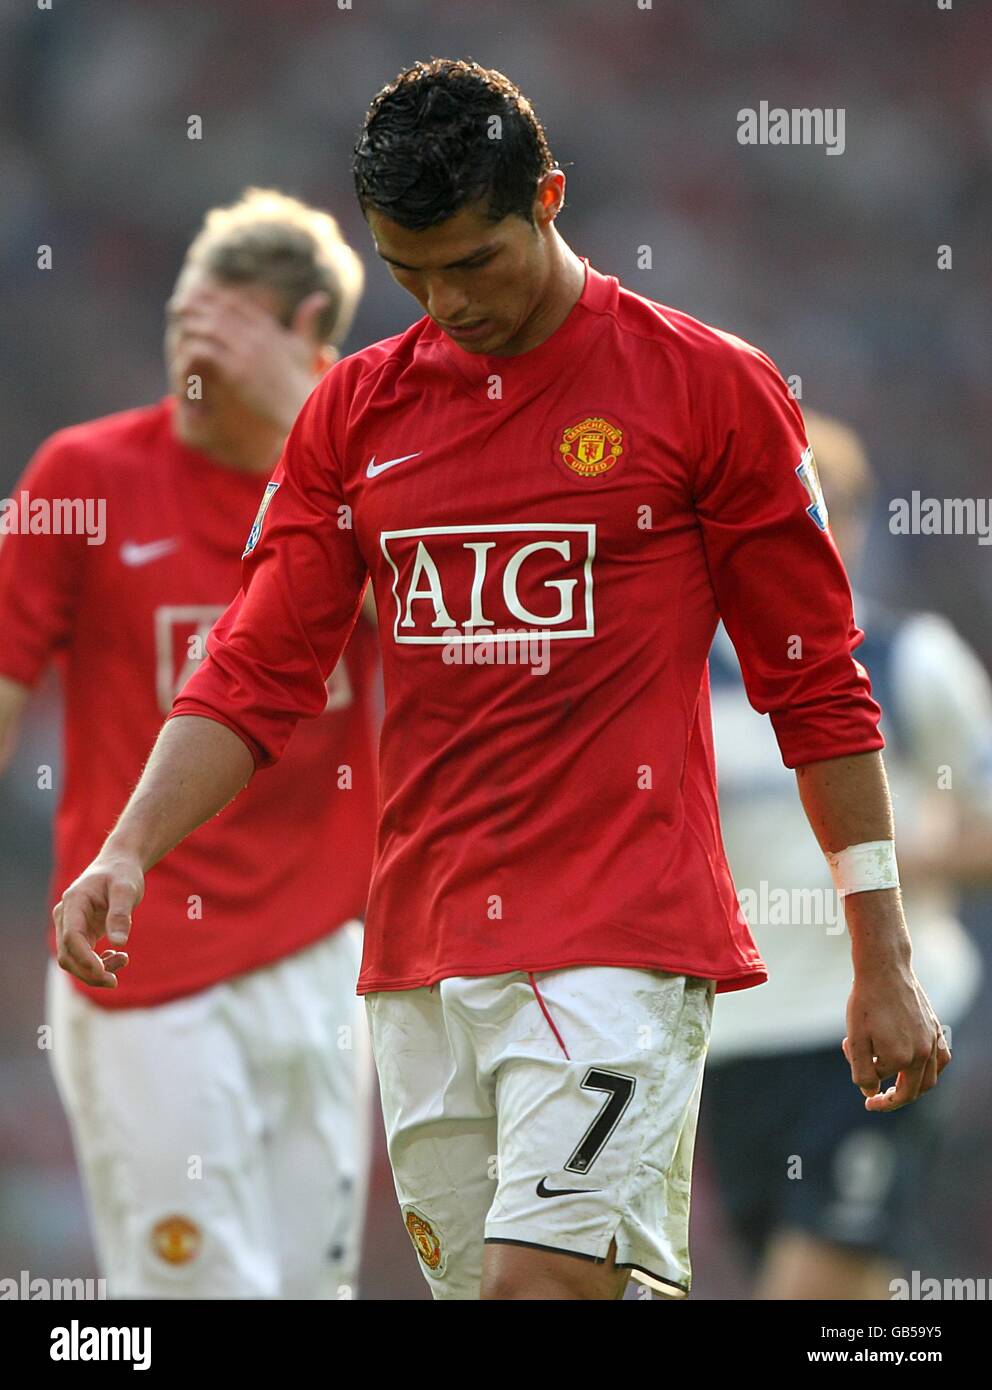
41	571
303	577
779	582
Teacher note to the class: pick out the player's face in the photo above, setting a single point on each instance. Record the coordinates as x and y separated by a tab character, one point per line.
480	281
216	421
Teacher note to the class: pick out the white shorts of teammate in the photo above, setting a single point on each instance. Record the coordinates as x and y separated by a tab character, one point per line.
223	1138
495	1134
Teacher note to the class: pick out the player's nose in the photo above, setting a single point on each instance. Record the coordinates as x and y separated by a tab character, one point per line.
446	303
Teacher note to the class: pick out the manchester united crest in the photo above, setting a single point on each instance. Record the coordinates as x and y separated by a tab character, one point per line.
591	447
176	1240
426	1239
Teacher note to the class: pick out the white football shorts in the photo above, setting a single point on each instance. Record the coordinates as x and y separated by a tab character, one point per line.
555	1110
223	1138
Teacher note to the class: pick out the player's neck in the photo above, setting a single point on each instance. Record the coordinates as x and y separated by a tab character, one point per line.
563	289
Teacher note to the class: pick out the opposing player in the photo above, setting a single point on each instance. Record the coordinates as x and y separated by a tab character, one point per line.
217	1091
544	460
841	1225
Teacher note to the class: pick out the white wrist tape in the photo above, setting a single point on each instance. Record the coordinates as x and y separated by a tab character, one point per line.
864	868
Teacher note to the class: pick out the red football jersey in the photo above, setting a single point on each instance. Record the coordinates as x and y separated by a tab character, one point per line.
126	621
608	493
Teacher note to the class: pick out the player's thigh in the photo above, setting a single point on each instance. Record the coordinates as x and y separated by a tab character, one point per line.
440	1132
595	1147
314	1081
168	1135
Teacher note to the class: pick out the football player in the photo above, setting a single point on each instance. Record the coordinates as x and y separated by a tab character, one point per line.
546	456
218	1092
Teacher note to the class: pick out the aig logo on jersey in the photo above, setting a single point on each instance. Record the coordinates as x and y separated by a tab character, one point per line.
270	491
810	480
486	583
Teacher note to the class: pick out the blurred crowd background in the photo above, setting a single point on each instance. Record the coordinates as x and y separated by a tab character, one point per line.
829	263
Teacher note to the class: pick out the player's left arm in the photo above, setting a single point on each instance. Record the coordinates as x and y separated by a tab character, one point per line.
269	657
785	600
892	1029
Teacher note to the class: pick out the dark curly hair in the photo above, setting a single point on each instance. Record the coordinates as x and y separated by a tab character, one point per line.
429	146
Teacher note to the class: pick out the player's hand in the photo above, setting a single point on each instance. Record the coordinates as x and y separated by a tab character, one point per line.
99	903
892	1030
269	367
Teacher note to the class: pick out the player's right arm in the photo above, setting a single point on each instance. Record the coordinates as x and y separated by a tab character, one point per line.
41	578
196	767
269	657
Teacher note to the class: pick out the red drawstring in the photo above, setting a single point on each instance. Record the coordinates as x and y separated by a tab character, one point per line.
544	1011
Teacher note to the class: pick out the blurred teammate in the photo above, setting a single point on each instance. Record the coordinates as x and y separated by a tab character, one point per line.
837	1225
556	485
218	1094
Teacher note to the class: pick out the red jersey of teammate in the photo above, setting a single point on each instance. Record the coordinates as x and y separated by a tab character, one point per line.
126	621
612	490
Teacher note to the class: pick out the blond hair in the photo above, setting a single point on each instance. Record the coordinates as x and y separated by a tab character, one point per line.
841	460
271	239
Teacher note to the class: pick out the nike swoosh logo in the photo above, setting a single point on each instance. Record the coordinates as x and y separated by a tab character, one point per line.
374	469
134	554
544	1191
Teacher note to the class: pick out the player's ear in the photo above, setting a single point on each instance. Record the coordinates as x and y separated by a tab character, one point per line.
308	311
550	198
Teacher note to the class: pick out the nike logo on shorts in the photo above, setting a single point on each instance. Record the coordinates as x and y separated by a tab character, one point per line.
544	1191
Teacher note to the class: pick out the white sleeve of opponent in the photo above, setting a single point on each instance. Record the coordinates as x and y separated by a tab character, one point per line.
944	696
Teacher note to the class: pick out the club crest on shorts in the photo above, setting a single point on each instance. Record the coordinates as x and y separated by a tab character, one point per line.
426	1239
176	1240
591	447
270	491
810	480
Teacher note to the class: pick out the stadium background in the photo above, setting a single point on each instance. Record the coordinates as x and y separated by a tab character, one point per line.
827	262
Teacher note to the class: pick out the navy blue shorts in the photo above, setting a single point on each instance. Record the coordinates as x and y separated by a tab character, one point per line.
793	1148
